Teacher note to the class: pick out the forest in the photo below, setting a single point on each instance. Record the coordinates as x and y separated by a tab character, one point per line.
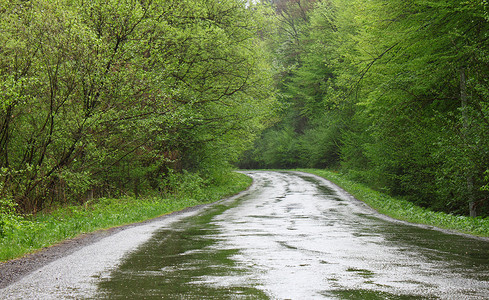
392	93
104	98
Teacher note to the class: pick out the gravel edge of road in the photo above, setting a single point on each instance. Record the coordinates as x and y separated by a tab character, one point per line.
14	270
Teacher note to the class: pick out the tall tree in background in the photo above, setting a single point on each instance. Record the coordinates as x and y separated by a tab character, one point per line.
305	52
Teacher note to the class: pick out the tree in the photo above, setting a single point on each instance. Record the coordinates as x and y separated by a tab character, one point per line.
100	96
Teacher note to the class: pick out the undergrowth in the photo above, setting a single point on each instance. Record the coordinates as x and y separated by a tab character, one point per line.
24	234
404	210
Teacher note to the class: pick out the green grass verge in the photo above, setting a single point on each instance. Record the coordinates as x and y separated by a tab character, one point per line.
31	234
404	210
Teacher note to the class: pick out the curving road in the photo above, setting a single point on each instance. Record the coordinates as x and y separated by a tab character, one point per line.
290	236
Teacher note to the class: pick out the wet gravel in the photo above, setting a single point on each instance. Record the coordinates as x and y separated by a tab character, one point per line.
14	270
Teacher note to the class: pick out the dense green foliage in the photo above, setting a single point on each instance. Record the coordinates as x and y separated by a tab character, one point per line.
105	98
393	93
404	210
24	235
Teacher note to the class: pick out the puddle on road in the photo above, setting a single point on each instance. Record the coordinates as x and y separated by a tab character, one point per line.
436	245
368	295
361	272
173	262
324	190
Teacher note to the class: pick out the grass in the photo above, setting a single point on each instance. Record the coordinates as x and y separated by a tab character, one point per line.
404	210
29	234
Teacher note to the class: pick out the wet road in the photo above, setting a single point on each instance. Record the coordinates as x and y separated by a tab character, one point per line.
291	236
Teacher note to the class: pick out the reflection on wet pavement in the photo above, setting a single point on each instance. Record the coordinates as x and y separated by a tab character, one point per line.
296	236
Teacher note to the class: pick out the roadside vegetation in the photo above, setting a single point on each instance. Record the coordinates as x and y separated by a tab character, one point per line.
20	235
404	210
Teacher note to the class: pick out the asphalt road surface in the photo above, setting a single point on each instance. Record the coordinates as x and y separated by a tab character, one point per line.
290	236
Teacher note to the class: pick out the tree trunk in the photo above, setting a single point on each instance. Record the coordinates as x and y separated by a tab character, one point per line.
469	177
